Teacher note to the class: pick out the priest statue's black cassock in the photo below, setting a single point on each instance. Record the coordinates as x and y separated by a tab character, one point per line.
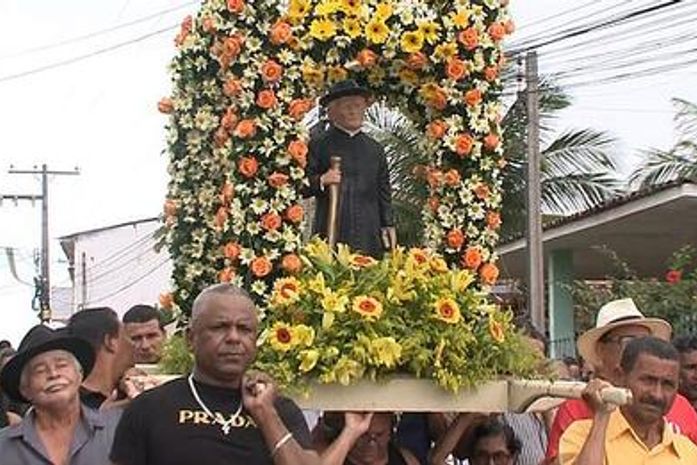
365	219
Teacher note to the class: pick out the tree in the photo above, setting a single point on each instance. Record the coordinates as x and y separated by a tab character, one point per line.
680	161
578	170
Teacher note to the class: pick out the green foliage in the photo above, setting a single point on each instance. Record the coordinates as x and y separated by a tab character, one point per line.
176	356
673	297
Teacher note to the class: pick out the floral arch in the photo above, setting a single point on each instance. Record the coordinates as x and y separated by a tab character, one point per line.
246	74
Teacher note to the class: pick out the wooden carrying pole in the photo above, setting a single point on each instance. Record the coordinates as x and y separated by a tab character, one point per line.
334	197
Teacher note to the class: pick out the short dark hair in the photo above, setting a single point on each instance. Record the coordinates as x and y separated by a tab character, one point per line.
646	345
493	427
686	343
5	344
529	330
142	314
93	324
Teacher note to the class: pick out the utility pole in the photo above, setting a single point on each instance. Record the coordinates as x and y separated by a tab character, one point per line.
44	280
535	264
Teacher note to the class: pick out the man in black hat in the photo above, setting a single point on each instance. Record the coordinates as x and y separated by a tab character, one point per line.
47	372
365	207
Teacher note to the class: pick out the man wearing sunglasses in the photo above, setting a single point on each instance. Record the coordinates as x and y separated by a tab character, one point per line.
618	322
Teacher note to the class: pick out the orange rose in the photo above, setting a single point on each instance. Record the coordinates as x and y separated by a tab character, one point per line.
455	69
232	250
469	38
271	221
235	6
473	97
277	179
433	203
299	107
482	191
184	31
434	177
170	207
367	58
208	24
439	99
248	166
489	273
491	141
227	192
491	73
221	136
472	258
225	275
497	31
266	99
295	213
464	144
232	46
229	119
436	129
509	26
298	151
417	61
166	300
493	220
291	263
246	129
261	266
452	177
232	87
271	71
165	105
280	33
221	217
455	238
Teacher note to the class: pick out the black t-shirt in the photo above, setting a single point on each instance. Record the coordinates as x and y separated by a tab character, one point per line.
166	426
91	399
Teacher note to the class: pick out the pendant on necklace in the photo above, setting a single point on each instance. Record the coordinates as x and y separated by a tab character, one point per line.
226	428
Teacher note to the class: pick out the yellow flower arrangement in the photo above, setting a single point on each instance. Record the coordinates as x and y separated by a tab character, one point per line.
412	41
369	307
322	29
377	32
286	291
352	27
447	310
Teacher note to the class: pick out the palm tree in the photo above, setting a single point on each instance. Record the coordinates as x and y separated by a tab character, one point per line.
578	170
680	161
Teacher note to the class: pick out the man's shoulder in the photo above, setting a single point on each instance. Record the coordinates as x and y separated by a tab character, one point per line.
685	448
168	390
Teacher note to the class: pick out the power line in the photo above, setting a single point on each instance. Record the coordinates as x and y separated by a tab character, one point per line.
79	58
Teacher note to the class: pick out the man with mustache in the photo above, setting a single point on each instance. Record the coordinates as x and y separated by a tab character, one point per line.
58	429
636	433
221	413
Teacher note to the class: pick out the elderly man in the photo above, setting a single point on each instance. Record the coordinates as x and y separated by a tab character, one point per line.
365	211
144	328
113	350
687	348
618	323
47	372
221	413
635	433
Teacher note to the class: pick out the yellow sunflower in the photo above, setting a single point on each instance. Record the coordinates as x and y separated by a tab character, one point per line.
286	291
322	29
377	32
461	17
369	307
352	27
281	337
351	7
327	8
429	30
412	41
447	310
298	9
446	51
383	11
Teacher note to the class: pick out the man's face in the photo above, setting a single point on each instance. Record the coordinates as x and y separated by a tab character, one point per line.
371	447
223	336
611	346
147	340
348	112
654	383
492	449
51	379
688	375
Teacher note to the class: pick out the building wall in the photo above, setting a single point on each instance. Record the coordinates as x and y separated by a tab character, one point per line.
118	267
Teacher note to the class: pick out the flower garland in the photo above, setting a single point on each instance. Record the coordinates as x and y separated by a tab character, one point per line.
247	73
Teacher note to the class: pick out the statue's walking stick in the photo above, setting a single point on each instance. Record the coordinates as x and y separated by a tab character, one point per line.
334	198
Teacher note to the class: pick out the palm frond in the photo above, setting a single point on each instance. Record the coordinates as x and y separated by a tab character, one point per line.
661	166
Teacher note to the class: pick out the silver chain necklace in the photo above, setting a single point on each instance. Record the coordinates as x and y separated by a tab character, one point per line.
224	425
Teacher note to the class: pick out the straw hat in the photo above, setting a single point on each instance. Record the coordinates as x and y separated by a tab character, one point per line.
615	314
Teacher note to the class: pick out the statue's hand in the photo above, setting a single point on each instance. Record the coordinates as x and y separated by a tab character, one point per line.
389	237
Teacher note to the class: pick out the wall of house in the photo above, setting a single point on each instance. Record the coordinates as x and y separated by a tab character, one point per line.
119	267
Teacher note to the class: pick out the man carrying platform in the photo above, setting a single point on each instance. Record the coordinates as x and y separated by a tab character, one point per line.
365	220
637	432
221	413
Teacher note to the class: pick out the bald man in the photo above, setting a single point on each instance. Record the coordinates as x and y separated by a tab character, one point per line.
220	412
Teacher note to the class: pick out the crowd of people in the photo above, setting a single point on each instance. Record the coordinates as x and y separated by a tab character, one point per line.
68	399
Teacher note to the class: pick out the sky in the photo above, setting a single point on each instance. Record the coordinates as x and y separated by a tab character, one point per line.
99	114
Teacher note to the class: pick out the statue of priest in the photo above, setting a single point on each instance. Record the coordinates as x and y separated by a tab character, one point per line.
365	220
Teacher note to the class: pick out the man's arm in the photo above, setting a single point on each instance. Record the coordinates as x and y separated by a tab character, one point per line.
313	171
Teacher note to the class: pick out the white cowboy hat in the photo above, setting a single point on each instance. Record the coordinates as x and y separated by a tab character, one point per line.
614	314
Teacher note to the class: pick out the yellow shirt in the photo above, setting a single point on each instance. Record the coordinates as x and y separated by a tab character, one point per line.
623	446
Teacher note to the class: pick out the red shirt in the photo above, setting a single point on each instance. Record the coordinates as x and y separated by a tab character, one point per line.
682	417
